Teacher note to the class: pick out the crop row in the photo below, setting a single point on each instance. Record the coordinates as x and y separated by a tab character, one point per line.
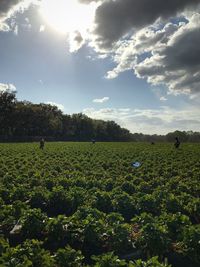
84	204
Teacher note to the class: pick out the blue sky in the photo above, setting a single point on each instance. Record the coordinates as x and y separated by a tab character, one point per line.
135	75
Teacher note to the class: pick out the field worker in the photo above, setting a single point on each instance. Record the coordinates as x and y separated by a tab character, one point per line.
42	143
177	143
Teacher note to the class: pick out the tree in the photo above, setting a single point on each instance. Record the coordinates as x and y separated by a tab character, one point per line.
181	135
7	107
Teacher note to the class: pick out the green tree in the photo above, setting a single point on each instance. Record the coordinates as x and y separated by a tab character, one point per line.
7	107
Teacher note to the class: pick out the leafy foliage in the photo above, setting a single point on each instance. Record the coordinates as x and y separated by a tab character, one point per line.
79	204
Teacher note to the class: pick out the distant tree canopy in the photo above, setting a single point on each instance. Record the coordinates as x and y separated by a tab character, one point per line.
25	121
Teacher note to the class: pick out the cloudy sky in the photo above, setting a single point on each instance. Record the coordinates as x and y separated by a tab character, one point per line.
133	61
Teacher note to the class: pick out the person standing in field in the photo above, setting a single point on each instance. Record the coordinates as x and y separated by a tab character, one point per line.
177	143
42	143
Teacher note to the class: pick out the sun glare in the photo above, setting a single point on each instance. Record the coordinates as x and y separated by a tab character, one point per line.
67	16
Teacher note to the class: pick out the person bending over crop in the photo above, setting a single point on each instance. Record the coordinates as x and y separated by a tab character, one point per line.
42	143
177	143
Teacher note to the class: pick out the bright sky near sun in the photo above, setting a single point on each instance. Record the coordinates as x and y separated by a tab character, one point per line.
67	16
133	61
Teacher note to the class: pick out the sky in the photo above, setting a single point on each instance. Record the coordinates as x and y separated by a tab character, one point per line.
136	62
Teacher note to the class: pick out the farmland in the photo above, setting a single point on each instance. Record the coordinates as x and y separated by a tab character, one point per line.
78	204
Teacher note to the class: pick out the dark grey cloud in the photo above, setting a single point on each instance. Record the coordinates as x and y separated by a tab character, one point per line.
78	37
7	5
116	18
185	52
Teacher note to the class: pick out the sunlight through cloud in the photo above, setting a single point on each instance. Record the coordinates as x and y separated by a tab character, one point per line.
68	16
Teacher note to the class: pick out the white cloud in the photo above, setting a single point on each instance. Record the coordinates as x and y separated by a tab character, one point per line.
8	9
16	30
4	27
128	52
7	87
101	100
27	25
59	106
150	121
163	98
42	28
76	41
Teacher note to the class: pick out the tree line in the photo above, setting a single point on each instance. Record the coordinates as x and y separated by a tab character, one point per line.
25	121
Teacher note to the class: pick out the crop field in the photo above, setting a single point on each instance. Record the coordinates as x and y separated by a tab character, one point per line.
83	204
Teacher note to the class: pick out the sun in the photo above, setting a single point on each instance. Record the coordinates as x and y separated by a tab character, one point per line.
67	16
